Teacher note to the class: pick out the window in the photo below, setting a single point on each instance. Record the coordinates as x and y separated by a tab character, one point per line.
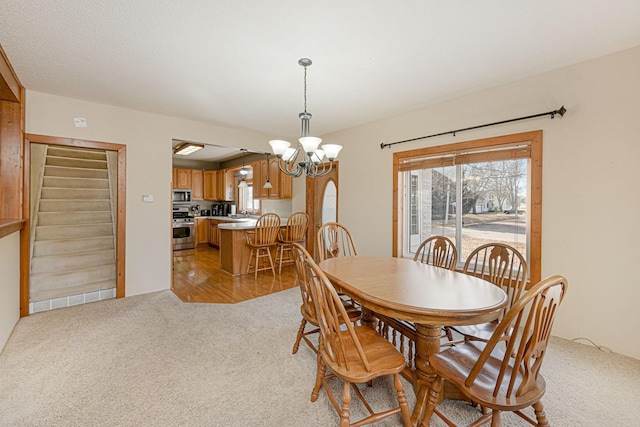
246	202
473	192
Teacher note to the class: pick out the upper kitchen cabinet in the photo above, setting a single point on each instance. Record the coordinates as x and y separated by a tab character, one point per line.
197	184
281	183
259	178
211	186
182	178
219	185
228	184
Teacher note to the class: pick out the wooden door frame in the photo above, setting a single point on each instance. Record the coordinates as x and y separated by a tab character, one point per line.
121	228
310	208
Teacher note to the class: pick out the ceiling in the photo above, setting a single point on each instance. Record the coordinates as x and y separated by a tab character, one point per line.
235	62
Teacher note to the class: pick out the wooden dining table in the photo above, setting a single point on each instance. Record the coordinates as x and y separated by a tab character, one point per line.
429	297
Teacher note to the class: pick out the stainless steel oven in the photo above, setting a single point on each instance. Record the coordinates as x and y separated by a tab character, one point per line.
183	229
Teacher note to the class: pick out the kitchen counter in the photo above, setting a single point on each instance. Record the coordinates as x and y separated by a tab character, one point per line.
227	218
248	224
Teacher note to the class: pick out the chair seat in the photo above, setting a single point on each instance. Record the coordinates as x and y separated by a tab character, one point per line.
383	357
458	361
354	314
481	332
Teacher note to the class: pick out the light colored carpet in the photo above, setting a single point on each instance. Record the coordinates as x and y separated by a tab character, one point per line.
152	360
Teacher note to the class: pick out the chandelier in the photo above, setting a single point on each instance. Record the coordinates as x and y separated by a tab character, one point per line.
306	158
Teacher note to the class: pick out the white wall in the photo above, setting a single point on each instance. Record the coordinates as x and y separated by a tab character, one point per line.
9	285
591	201
148	140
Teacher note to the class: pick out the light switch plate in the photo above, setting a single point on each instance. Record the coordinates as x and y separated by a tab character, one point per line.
147	198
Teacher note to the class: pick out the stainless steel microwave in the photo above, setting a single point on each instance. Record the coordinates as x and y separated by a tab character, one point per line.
181	196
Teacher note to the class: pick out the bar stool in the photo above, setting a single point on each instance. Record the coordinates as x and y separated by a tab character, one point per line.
293	233
261	239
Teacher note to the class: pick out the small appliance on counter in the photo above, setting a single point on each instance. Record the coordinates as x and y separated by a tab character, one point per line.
205	212
220	209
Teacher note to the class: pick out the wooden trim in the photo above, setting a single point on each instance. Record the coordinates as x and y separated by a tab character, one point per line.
121	210
121	231
310	195
25	234
11	147
9	226
396	232
70	142
10	86
534	211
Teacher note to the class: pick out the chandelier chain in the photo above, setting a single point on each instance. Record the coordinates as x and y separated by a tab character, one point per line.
305	88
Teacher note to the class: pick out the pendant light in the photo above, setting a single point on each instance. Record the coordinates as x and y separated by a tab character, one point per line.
243	172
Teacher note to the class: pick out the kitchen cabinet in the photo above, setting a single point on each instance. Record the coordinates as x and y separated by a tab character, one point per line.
202	231
259	178
210	184
219	185
182	178
228	184
197	184
214	234
281	183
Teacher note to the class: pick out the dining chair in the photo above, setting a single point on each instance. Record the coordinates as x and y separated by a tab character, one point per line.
503	266
354	354
307	309
261	240
294	232
438	251
503	377
334	240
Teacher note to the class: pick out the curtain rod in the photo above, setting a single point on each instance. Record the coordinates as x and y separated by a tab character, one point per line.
559	111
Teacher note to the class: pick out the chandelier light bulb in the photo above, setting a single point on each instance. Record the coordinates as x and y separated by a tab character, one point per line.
288	154
331	150
279	146
310	144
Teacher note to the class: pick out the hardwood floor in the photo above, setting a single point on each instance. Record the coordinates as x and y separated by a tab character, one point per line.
197	277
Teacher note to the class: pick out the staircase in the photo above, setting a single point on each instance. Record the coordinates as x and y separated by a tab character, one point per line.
73	248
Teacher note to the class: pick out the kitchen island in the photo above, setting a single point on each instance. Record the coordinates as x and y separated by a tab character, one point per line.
234	251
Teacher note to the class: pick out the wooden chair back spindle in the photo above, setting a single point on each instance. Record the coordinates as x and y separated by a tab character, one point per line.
438	251
502	265
334	240
266	231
